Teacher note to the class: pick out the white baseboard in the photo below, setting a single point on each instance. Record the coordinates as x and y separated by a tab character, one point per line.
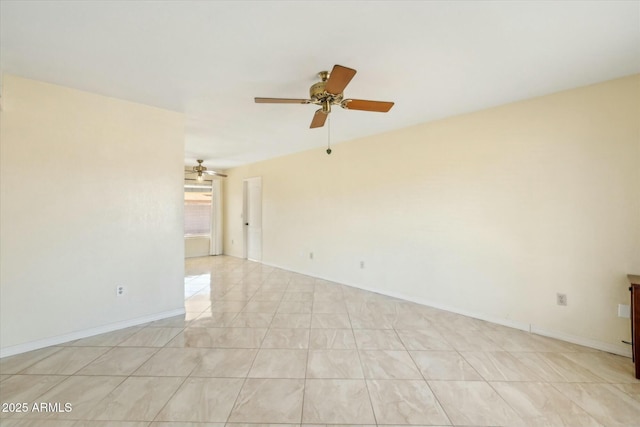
621	349
85	333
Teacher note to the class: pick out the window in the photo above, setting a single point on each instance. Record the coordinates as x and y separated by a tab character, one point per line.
197	211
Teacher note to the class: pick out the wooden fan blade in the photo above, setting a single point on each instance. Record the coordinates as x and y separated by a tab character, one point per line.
215	173
281	101
339	79
318	119
364	105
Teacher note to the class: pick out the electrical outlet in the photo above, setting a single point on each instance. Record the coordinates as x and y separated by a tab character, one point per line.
624	311
561	299
361	264
119	290
310	255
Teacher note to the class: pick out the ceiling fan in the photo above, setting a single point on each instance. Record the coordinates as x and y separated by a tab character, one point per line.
328	92
202	171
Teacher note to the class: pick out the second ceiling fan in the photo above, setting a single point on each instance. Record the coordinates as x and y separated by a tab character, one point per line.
328	92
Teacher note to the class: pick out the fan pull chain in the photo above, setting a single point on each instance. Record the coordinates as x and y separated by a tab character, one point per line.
329	135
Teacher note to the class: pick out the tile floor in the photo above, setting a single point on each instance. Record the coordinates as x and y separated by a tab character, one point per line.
260	345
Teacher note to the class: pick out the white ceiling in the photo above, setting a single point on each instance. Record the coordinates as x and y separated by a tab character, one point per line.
209	59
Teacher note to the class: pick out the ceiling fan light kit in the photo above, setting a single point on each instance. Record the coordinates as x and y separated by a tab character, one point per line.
329	91
201	171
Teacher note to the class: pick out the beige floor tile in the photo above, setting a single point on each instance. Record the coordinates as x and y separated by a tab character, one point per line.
232	363
202	399
473	403
213	320
171	362
137	399
237	337
338	425
195	306
108	339
261	307
539	404
377	339
20	362
423	339
193	337
365	304
4	377
330	321
332	339
500	366
339	364
514	340
444	365
188	424
335	294
547	344
36	423
291	307
295	320
93	423
67	361
337	402
279	363
269	401
307	287
411	320
544	370
322	285
468	340
610	367
227	306
239	295
203	295
604	402
447	321
568	370
286	338
389	364
327	307
297	296
273	286
83	392
118	361
405	402
27	388
632	390
252	320
413	425
371	320
151	337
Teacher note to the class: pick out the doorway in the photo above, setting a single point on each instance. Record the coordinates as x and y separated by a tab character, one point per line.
202	217
252	218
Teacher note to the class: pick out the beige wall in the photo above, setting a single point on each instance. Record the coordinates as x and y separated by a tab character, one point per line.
92	198
196	246
490	213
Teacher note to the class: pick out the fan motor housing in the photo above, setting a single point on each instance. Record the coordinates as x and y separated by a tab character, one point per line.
319	95
316	91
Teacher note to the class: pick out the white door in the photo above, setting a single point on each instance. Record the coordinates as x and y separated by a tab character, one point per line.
253	218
